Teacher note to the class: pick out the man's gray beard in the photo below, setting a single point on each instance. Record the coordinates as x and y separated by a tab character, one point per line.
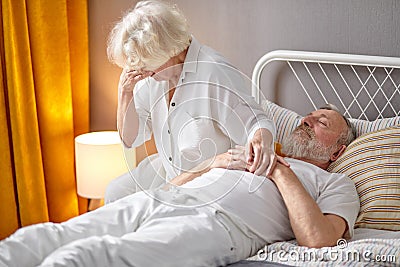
298	145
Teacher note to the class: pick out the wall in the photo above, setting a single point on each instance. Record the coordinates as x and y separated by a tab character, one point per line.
244	30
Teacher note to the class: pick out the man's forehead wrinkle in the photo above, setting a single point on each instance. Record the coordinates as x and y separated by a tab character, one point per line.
320	113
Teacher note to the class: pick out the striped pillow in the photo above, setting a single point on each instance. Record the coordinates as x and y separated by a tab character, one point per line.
362	126
286	121
372	161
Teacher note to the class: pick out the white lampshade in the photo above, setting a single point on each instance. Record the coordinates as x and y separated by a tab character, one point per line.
99	159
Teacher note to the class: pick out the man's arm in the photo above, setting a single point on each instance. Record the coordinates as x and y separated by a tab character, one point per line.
227	160
311	227
188	176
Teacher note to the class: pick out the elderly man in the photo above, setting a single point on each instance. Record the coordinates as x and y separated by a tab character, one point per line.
217	217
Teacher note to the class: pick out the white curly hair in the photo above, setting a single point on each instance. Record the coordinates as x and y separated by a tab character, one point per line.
148	36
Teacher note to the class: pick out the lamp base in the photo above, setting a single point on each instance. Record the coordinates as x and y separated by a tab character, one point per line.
95	203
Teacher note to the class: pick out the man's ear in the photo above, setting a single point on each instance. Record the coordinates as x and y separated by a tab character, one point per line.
338	153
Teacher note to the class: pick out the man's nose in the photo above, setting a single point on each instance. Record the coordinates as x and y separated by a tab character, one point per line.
308	121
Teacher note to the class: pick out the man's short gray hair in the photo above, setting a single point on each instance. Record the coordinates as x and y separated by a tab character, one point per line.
148	36
347	137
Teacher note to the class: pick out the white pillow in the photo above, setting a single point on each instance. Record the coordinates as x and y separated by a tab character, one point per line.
287	120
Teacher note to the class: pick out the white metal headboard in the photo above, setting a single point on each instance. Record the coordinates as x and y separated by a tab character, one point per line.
389	75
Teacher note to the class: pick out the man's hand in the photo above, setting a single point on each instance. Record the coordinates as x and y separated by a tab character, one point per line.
261	155
230	160
281	169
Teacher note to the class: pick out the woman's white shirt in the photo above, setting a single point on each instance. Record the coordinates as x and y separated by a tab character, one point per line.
210	111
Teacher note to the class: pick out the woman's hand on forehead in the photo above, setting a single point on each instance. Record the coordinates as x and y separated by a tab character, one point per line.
130	77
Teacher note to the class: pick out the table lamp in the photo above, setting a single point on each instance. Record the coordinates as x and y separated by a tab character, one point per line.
99	158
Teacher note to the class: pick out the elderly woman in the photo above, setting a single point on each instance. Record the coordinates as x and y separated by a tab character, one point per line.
187	95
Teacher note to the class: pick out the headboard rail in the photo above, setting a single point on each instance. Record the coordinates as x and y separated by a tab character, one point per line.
382	74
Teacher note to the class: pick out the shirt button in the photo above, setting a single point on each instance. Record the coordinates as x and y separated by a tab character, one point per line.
173	104
169	131
170	158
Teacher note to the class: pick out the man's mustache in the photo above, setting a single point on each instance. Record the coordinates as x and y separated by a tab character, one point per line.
307	129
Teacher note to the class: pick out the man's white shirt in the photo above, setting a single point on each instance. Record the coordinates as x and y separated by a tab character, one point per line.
256	201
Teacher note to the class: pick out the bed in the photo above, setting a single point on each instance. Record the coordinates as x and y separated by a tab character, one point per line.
366	89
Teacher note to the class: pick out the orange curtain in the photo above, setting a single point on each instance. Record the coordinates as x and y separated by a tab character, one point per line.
43	106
